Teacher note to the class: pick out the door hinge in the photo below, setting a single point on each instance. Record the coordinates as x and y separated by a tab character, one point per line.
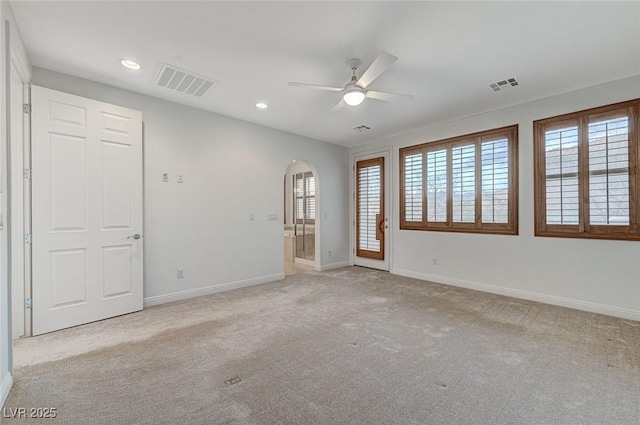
27	173
26	108
28	238
28	303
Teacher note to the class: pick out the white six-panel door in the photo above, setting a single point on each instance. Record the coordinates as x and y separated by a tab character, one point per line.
86	209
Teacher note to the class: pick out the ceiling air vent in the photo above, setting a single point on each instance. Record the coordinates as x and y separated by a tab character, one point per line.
361	128
180	80
505	84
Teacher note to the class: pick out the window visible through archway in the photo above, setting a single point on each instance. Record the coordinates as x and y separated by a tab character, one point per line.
304	189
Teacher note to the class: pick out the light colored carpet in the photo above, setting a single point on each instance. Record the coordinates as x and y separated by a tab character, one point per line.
293	268
349	346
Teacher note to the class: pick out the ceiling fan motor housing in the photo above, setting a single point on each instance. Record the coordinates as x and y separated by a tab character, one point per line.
353	95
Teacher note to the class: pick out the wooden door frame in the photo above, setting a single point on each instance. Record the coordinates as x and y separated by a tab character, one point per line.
362	252
387	153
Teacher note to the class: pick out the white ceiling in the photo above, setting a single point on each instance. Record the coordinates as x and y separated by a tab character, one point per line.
449	53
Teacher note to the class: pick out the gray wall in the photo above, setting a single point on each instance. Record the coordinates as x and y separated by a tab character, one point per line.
11	50
231	169
5	341
594	275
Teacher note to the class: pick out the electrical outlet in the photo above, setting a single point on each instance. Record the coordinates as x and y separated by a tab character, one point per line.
435	261
180	178
251	217
180	273
329	253
165	177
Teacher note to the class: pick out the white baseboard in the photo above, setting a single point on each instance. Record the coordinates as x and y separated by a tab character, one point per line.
7	383
304	261
331	266
183	295
527	295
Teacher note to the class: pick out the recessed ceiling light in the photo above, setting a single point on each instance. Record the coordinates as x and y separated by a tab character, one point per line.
128	63
261	105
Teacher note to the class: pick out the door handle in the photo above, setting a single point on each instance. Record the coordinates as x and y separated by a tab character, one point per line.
136	236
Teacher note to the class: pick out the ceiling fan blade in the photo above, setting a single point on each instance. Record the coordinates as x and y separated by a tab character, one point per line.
341	104
389	97
380	64
313	86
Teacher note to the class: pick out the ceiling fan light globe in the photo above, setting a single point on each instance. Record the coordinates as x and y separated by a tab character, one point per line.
353	96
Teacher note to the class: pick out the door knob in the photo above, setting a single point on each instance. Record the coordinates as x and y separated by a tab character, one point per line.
136	236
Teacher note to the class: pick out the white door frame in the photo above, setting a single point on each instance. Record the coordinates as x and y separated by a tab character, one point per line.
19	188
386	153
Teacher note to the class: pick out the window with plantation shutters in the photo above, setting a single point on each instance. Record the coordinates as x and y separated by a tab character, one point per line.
463	184
585	173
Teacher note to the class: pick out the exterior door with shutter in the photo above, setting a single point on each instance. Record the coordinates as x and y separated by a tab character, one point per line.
372	211
87	210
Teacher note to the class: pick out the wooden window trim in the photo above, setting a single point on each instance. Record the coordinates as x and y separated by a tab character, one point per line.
509	228
584	229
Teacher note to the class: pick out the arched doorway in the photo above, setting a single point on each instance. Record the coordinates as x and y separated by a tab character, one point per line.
301	218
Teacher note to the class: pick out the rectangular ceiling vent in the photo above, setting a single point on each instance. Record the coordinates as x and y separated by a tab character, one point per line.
180	80
361	128
505	84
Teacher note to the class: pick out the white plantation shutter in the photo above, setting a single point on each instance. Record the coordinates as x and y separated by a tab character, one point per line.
305	198
310	197
413	184
561	168
463	170
370	204
495	181
609	171
437	186
299	194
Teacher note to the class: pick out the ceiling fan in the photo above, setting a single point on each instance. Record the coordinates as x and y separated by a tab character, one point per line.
355	91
